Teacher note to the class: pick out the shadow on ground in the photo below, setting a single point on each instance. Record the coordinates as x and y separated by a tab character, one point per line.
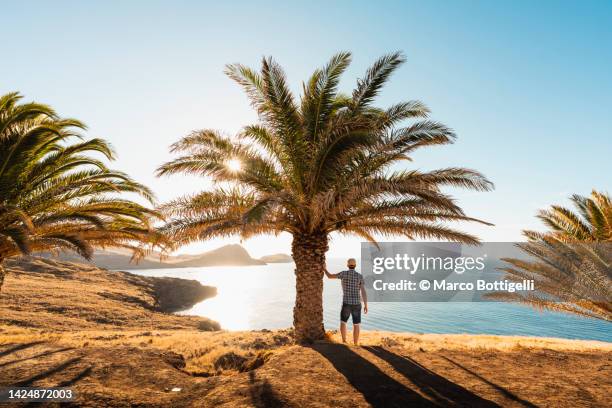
378	388
66	369
381	390
263	395
504	391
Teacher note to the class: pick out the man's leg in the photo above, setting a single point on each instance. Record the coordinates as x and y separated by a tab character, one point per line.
345	312
356	328
356	314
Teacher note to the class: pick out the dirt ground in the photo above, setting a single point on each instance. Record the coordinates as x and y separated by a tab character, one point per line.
321	375
60	327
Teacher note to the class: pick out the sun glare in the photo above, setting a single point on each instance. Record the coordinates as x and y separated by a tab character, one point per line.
234	165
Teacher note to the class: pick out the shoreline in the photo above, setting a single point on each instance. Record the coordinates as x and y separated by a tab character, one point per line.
271	300
63	296
168	297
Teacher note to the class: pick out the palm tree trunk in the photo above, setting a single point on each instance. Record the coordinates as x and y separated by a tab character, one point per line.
309	256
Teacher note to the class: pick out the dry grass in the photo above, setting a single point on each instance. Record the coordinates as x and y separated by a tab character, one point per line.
435	342
61	296
201	350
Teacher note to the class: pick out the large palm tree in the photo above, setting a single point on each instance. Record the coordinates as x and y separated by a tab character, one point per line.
571	264
54	194
316	166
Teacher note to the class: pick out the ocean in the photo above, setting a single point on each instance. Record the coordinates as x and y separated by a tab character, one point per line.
262	297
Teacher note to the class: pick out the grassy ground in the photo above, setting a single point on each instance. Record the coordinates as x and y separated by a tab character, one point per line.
60	327
63	296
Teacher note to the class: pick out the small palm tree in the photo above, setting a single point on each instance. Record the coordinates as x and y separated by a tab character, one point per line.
573	277
571	264
54	194
592	222
316	167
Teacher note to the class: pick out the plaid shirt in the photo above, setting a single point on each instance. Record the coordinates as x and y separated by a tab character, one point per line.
351	283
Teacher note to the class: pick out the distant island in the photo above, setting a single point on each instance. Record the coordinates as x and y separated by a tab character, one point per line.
277	258
227	255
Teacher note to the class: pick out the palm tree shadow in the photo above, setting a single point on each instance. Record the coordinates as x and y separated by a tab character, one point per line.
441	390
47	373
78	377
19	347
378	388
263	395
66	383
505	392
43	354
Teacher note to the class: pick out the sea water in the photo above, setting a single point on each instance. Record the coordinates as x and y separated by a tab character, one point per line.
262	297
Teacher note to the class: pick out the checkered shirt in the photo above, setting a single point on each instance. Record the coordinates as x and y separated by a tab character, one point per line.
351	283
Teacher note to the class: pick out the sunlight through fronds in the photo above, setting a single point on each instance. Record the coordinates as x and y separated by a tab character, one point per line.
234	165
319	164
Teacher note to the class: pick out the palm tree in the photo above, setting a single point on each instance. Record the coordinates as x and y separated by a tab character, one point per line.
571	264
54	195
592	222
573	277
314	168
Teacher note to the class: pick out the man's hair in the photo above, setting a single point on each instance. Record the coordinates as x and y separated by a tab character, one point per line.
351	262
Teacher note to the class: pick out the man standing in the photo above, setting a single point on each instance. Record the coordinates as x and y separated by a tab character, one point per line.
353	290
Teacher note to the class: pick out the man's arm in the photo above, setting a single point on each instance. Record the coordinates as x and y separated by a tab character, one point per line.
331	275
364	296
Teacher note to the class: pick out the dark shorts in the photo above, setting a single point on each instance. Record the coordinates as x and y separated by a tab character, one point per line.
351	310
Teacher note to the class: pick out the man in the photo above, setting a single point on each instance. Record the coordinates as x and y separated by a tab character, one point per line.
352	287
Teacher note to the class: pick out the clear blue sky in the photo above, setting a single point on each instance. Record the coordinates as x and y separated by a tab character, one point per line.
526	85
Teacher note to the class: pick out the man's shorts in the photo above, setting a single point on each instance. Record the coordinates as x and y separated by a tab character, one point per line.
352	310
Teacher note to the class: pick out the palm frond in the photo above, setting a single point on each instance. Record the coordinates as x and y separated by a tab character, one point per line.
376	76
324	164
572	262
